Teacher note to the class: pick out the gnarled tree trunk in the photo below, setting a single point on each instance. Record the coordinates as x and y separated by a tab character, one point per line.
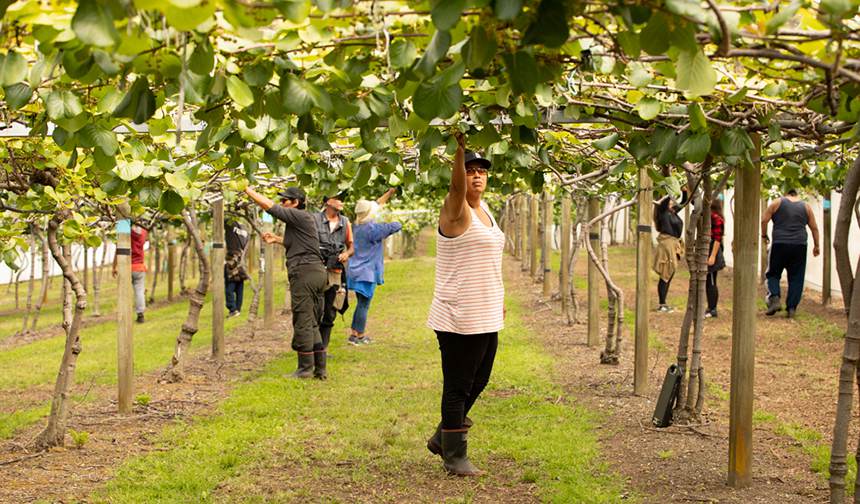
55	430
851	351
175	370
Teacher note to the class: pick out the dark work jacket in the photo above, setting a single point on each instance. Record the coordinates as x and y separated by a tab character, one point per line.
332	243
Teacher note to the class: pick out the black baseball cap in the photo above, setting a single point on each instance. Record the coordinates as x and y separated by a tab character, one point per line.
474	157
293	193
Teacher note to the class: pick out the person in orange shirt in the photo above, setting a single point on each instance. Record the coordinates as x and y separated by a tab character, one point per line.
139	235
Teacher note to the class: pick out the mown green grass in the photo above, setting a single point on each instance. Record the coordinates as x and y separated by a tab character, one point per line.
36	363
368	422
52	311
11	423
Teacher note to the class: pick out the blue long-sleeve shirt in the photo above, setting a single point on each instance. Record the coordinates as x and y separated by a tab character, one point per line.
366	265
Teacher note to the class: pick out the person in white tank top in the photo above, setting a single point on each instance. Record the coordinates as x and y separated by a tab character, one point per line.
467	311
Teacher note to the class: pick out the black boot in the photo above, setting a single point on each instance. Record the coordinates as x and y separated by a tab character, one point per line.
434	444
319	365
454	456
306	366
773	305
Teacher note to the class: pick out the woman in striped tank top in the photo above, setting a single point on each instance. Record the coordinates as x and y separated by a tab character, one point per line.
468	304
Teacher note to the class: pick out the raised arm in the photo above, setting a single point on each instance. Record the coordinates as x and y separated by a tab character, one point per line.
263	202
453	218
387	196
813	226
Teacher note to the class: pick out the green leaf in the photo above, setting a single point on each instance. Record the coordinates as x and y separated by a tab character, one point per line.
606	142
138	104
522	72
839	9
550	29
446	13
300	95
176	180
695	73
93	24
653	38
62	104
149	195
507	9
479	49
782	16
403	53
13	68
187	19
437	49
202	59
258	74
691	9
171	202
294	10
698	121
629	41
95	136
735	142
18	95
130	171
239	92
435	99
648	108
695	148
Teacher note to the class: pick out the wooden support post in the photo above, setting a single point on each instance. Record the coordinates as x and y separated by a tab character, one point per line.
171	260
523	223
564	288
764	252
218	286
268	276
547	244
826	251
534	246
746	236
643	268
594	278
124	308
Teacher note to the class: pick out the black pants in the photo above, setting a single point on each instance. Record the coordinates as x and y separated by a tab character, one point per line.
711	290
467	362
234	292
307	282
329	314
791	257
663	289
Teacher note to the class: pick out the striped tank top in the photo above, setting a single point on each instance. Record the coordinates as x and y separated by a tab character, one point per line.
469	294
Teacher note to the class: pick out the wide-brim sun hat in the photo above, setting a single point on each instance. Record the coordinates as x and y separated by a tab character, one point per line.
365	211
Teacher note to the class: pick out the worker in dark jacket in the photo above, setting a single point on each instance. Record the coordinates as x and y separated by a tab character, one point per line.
336	247
307	276
235	273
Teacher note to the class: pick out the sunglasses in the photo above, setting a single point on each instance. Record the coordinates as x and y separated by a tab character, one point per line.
474	170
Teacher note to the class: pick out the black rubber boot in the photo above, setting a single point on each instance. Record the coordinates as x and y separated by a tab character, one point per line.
306	366
773	305
434	444
319	365
454	456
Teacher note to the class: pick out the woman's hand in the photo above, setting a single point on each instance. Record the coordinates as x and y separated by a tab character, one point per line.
712	260
269	237
343	257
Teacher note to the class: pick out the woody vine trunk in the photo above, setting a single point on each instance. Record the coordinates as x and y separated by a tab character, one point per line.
851	349
55	430
175	369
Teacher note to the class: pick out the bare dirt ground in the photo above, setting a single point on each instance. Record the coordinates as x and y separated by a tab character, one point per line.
70	475
795	385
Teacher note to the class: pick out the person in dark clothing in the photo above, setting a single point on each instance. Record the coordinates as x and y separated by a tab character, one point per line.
336	247
307	276
716	261
790	216
234	265
667	253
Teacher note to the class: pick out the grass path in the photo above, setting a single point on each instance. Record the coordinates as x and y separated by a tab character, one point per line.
359	437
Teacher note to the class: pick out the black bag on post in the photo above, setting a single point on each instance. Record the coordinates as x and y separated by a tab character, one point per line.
668	396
